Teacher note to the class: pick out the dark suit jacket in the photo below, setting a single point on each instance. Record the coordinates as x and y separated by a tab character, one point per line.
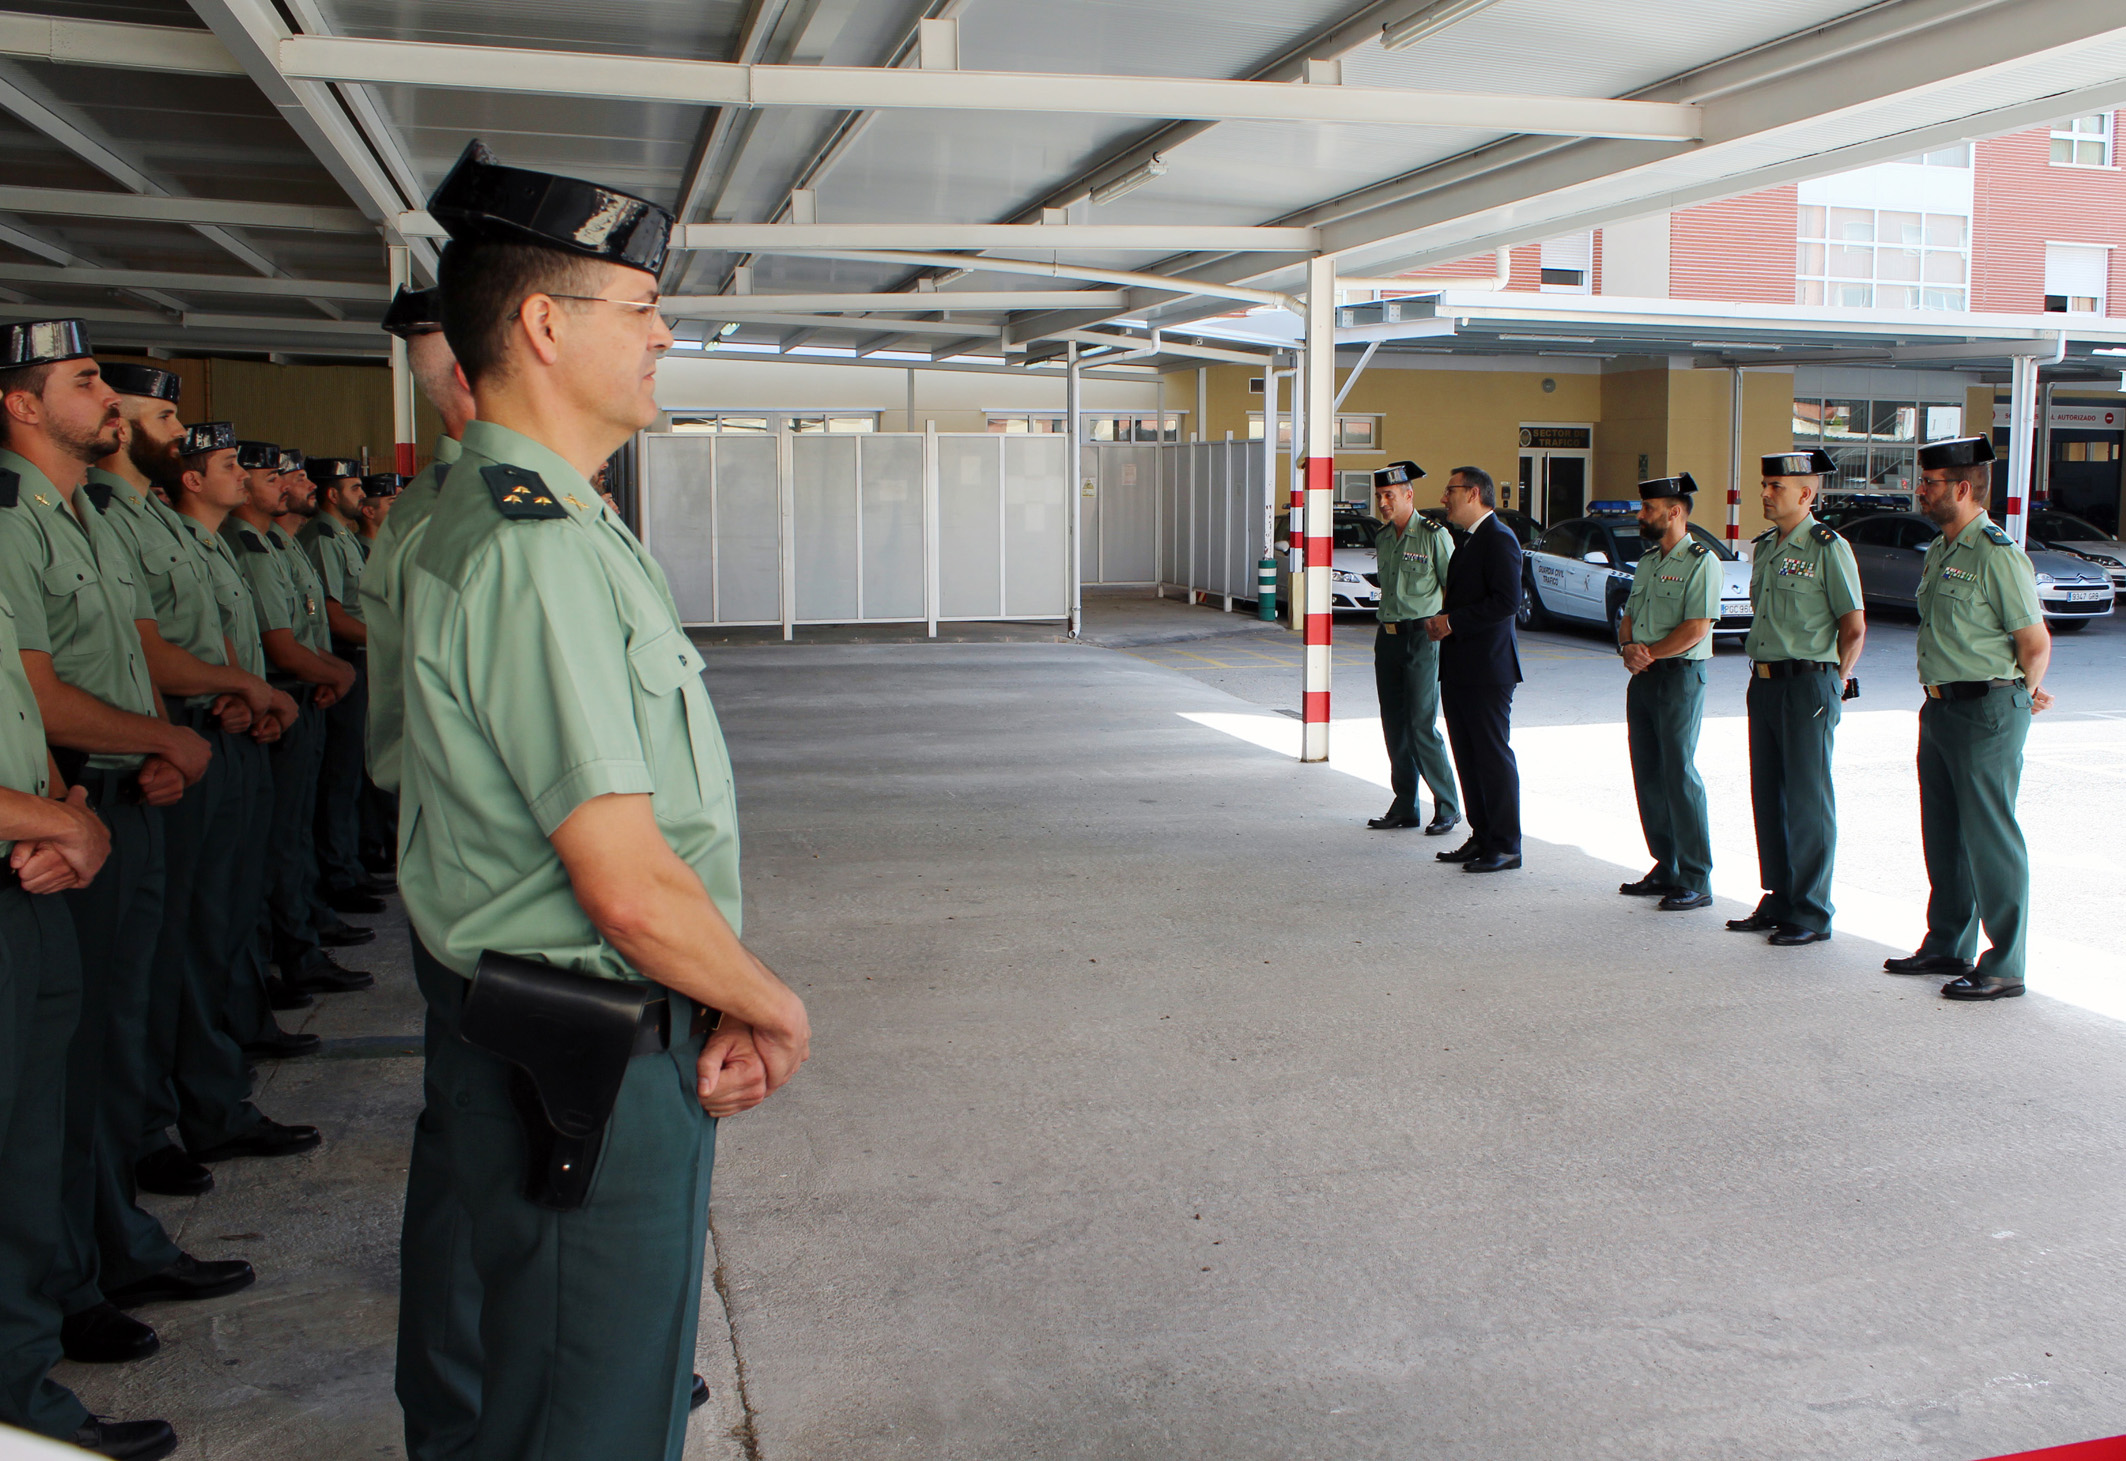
1483	595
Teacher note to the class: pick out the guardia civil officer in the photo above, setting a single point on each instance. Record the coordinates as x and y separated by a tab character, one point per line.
1983	652
1805	638
74	592
1666	636
332	541
196	1077
379	835
49	841
570	838
1412	551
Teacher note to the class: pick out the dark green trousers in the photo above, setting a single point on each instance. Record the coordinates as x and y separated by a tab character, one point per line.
117	922
587	1318
1792	725
246	1014
1406	677
1663	708
40	1005
291	847
1978	870
197	1076
340	779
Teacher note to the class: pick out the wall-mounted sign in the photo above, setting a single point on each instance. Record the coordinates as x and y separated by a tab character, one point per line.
2073	418
1557	438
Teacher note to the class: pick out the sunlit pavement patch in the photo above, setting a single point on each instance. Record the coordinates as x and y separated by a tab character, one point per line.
1576	792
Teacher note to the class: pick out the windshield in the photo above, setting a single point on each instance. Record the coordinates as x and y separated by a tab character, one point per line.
1630	545
1356	532
2065	527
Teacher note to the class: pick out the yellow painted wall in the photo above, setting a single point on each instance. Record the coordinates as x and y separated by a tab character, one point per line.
1698	438
324	410
1634	426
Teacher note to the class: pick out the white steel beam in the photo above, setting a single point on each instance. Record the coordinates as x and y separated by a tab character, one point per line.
283	324
113	43
76	203
704	306
785	238
939	329
1155	344
94	278
1123	373
983	264
724	83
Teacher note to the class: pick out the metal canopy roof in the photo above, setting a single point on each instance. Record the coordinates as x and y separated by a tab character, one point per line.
130	126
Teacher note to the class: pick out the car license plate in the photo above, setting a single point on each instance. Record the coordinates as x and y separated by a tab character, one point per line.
2087	595
1735	608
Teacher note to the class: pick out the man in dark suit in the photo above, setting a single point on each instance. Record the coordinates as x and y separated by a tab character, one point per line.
1478	668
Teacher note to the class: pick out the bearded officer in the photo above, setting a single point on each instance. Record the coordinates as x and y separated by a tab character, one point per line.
570	835
1412	552
1666	636
1805	638
1983	652
332	541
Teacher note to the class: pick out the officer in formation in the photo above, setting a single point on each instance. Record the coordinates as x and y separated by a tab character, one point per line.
332	539
1805	639
570	844
378	835
1412	551
1665	636
140	725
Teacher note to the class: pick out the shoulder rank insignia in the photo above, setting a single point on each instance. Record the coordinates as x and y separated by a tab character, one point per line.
99	493
520	492
1997	537
1768	533
250	539
1823	534
443	473
1433	523
1697	549
10	487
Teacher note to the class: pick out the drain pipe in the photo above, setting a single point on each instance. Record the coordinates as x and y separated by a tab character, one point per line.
1502	274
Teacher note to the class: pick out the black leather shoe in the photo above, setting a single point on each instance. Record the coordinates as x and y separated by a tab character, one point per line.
281	997
1648	887
378	884
346	936
326	977
700	1397
106	1335
1492	862
1794	936
352	900
187	1278
1973	987
126	1440
1928	964
1390	823
283	1045
1683	900
1758	922
267	1139
383	864
1442	825
1467	852
169	1171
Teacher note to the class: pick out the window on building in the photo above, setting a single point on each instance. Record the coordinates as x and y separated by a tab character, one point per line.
1020	423
1353	433
770	423
2083	142
1568	264
1869	258
1874	444
2075	278
1133	428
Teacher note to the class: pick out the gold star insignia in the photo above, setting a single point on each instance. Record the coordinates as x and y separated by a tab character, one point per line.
570	499
43	501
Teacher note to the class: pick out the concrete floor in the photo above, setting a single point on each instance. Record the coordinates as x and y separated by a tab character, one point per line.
1217	1126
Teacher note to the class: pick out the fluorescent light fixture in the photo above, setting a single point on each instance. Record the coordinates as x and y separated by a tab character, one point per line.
1732	345
727	331
1427	20
1553	339
1152	167
2109	350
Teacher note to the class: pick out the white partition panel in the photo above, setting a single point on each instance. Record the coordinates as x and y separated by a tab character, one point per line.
1036	500
891	526
970	528
746	493
679	511
1120	536
826	559
1210	518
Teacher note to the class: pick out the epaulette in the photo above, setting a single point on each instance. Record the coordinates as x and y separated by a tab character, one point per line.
99	493
10	487
1767	533
1433	523
1823	534
443	473
1698	549
520	492
1997	537
250	539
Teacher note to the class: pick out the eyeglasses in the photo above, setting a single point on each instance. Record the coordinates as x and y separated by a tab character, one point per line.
643	308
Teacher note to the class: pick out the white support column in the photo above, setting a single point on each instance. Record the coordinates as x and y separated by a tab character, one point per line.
933	529
1203	404
401	373
1320	396
2022	441
1074	519
1734	457
1269	476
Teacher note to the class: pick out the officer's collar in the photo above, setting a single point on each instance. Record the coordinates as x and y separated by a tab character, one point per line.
1808	520
512	448
118	485
1974	529
448	449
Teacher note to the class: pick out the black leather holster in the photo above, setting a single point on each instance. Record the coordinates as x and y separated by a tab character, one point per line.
568	1038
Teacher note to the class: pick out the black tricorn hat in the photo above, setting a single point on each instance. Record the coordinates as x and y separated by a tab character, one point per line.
384	484
41	342
1964	451
142	380
414	312
258	456
291	459
202	437
1815	462
326	470
1683	486
1398	474
479	199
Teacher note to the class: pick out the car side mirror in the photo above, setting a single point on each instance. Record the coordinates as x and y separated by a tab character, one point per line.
1284	545
1598	556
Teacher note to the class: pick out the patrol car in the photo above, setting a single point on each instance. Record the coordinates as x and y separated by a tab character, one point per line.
1354	569
1890	548
2063	532
1580	572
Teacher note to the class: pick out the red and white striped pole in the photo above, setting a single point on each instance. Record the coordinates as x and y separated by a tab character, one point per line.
1320	388
401	374
1734	457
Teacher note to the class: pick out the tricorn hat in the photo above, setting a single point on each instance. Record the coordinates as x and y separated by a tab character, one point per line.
384	484
479	199
142	380
1683	486
41	342
414	312
1815	462
291	459
326	470
258	456
202	437
1398	474
1964	451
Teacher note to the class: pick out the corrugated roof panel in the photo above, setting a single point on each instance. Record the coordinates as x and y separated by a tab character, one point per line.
700	30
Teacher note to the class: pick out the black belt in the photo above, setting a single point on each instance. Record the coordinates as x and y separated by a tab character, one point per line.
1788	669
1969	689
1388	626
109	786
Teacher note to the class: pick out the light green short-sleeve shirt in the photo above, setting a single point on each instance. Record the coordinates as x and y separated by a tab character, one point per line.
543	666
383	593
1668	588
75	590
275	599
174	577
1801	585
1413	568
1975	591
232	596
312	632
23	763
335	554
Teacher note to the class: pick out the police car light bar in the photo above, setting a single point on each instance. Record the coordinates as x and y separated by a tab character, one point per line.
1604	507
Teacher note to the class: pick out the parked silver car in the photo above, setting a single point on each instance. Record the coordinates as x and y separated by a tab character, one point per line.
2063	532
1889	548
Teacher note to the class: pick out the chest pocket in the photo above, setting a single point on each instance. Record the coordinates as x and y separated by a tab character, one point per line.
160	562
672	712
664	663
1668	590
67	577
